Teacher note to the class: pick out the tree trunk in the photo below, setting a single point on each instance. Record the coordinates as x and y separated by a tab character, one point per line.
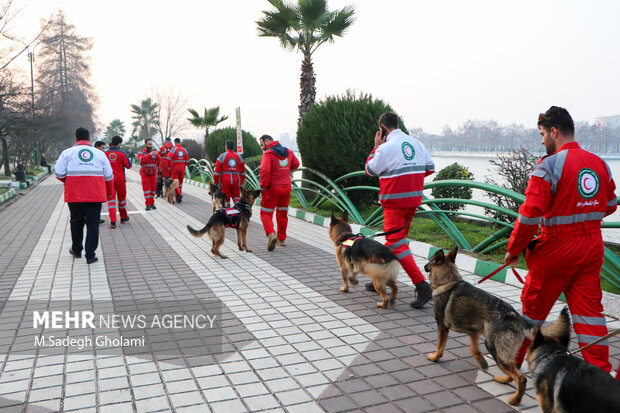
307	83
5	156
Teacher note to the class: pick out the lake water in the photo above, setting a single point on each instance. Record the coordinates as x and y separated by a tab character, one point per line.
480	166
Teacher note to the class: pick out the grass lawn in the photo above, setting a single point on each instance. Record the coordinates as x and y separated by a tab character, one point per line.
3	190
425	230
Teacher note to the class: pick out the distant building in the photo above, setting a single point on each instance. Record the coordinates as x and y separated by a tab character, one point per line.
608	121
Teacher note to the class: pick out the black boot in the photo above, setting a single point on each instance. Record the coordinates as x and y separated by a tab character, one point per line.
424	294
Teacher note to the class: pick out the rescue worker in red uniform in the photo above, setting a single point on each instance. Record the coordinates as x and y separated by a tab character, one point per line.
119	161
569	192
179	157
401	163
165	164
149	158
275	183
230	172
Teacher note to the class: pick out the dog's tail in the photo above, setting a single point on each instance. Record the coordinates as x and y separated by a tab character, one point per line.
200	232
560	330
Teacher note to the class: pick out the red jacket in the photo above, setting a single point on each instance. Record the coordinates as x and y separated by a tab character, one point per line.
276	166
119	162
569	193
229	166
86	173
148	161
166	163
179	157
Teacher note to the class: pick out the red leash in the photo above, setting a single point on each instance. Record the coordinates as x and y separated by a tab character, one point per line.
498	270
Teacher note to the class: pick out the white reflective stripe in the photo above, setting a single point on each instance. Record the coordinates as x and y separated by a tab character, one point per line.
398	243
282	208
231	172
266	209
573	219
532	321
430	166
148	196
586	339
179	161
613	202
541	173
591	321
404	171
60	175
370	171
559	167
528	221
400	195
403	254
85	173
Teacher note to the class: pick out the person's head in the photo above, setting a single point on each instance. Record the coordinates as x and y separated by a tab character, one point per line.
116	141
100	145
389	121
177	141
149	144
556	128
230	144
82	134
264	141
168	140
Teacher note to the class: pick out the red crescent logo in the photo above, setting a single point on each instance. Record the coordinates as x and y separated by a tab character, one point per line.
585	183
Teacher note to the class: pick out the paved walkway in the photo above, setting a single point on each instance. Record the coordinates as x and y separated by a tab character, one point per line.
285	338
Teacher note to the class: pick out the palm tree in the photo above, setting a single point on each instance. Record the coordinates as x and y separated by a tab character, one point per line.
116	127
209	119
305	27
145	120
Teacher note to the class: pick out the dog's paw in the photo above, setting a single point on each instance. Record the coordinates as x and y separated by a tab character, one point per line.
382	304
344	288
247	250
240	248
482	362
353	281
433	356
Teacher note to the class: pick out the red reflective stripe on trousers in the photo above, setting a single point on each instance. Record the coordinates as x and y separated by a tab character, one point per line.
394	218
272	198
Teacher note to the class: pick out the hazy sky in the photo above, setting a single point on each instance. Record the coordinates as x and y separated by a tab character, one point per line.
435	62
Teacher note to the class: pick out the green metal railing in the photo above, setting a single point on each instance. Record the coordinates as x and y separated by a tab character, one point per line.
326	190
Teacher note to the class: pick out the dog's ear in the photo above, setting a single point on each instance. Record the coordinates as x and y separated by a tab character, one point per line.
345	216
452	254
256	193
538	341
439	257
333	221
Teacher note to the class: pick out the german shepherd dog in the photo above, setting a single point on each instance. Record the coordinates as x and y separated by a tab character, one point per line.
461	307
216	227
171	186
218	197
160	185
565	383
365	255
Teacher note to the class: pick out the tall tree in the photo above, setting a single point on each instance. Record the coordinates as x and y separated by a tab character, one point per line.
145	120
305	27
116	127
211	118
15	121
170	111
65	94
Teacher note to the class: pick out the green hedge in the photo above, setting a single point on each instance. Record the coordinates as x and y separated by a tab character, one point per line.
216	143
452	171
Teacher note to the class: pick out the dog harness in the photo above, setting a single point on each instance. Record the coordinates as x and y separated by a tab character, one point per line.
348	244
233	215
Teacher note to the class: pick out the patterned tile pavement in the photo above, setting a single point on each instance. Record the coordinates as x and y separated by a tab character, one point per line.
290	340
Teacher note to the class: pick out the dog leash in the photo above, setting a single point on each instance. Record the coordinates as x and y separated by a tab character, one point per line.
498	270
380	234
605	337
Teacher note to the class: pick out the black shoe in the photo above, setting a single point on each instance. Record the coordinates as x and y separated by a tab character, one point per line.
153	207
75	254
370	287
91	260
425	293
124	220
148	207
112	225
179	198
101	221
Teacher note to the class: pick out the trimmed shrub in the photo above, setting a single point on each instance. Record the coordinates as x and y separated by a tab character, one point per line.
337	135
194	149
453	171
216	143
253	162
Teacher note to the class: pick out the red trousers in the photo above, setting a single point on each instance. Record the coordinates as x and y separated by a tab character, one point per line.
120	192
276	198
394	218
569	264
149	187
178	173
231	191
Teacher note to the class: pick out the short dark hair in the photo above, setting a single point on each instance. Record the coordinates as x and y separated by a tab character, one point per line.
82	134
168	139
116	140
389	119
230	144
99	143
177	140
557	117
265	137
147	139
